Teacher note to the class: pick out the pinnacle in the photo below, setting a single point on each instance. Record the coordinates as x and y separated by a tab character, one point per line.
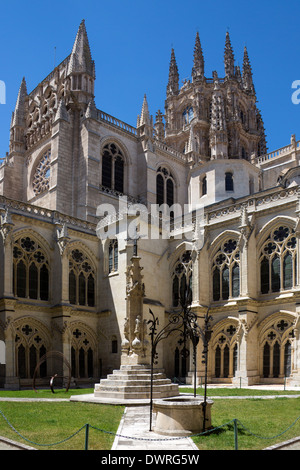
19	112
228	57
198	68
81	58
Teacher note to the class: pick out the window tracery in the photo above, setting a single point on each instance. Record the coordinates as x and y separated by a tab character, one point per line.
182	278
30	347
276	349
278	261
226	271
30	270
41	178
113	168
165	186
81	279
82	353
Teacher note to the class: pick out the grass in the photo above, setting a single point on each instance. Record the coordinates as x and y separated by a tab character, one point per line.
53	422
230	392
261	423
44	423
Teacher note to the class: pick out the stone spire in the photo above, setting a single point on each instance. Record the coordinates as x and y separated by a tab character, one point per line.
145	121
145	115
17	128
173	83
218	126
198	69
81	59
228	58
247	73
18	118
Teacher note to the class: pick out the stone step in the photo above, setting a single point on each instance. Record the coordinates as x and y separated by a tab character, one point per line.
135	383
135	395
130	385
136	377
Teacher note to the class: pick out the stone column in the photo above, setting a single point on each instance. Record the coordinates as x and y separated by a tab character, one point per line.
134	349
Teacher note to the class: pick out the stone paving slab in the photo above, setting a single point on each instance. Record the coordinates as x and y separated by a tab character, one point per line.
134	434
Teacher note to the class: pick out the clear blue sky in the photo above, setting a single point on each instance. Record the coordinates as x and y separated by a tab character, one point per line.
131	43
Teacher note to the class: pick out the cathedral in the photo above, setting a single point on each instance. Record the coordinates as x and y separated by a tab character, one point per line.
102	223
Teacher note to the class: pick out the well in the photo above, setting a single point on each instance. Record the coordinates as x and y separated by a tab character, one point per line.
181	416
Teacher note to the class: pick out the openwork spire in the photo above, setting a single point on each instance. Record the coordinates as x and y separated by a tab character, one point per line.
247	73
228	58
173	83
81	58
198	69
218	119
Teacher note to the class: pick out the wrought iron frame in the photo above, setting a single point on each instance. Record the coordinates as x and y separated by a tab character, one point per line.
186	323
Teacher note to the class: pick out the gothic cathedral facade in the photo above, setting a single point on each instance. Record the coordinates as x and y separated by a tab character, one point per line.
66	261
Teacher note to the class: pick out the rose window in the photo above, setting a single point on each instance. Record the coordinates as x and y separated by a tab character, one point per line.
41	177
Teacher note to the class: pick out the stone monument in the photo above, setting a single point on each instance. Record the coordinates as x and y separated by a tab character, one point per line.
133	379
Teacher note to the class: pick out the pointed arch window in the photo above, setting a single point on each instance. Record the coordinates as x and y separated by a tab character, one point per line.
30	347
277	349
30	270
82	354
226	272
229	181
113	168
226	352
81	280
165	187
182	279
278	261
113	256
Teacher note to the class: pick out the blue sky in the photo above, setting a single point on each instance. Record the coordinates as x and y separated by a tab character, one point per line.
131	43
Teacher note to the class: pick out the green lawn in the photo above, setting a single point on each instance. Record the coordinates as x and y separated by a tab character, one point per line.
261	420
54	422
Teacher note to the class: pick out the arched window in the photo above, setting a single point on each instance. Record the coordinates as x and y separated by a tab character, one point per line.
165	187
203	186
277	349
30	270
225	352
278	260
82	353
30	347
188	115
226	272
113	256
182	279
229	181
113	168
81	280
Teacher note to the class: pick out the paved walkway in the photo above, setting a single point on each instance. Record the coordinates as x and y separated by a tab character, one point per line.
134	433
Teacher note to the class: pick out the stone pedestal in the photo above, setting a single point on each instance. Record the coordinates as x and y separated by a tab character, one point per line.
134	382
